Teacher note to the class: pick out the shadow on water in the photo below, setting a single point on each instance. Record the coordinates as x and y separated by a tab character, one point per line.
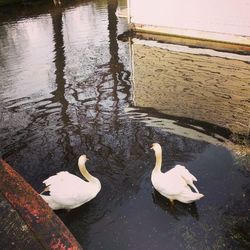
178	209
82	109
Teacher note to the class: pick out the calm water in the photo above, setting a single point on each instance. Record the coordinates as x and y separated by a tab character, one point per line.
65	88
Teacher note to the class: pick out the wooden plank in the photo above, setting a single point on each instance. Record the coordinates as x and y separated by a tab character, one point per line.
41	220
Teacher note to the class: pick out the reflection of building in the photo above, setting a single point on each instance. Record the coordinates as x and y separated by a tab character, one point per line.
210	89
194	22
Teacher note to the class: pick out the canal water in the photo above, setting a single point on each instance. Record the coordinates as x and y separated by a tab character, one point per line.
68	86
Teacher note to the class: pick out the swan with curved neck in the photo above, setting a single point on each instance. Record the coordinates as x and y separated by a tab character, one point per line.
175	183
68	191
82	167
158	156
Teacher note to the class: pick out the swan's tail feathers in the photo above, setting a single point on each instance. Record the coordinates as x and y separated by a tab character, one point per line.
195	197
50	201
188	196
194	187
45	190
47	198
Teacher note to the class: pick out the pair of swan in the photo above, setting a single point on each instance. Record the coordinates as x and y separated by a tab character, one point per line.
68	191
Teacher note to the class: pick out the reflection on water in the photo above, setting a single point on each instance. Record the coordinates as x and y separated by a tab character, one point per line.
187	127
178	209
213	90
65	88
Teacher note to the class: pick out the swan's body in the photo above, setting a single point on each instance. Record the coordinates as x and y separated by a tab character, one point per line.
68	191
174	184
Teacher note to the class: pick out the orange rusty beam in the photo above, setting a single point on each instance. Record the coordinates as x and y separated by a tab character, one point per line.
42	221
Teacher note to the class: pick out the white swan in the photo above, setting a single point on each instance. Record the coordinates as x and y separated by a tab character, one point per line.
68	191
174	184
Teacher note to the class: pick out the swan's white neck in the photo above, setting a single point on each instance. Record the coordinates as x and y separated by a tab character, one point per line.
85	173
158	162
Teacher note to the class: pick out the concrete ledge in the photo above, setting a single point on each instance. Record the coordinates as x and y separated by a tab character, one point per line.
218	41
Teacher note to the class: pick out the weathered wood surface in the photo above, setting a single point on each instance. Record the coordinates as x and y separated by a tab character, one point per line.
14	233
27	222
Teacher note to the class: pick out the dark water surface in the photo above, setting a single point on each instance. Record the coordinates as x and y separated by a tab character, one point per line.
65	86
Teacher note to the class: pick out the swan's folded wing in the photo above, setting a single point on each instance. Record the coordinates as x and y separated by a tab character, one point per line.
67	189
57	178
184	173
170	184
